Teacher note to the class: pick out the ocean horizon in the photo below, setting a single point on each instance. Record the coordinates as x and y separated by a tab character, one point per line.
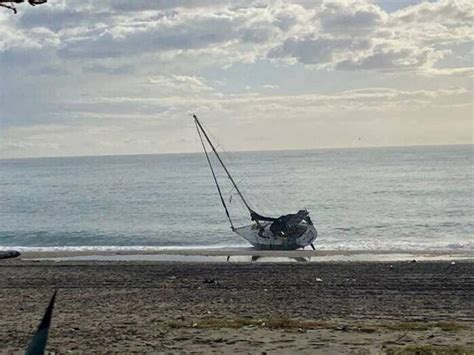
243	151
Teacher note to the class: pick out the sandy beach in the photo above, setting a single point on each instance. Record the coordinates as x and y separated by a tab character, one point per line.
322	307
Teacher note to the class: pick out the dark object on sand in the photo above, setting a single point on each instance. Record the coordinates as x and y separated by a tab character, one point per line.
38	343
9	254
209	281
287	232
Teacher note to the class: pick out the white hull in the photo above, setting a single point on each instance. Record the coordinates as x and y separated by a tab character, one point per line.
266	240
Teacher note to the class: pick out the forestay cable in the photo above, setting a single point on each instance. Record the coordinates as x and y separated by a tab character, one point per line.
214	176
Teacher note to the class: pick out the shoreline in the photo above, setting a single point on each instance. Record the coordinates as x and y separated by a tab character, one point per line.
244	255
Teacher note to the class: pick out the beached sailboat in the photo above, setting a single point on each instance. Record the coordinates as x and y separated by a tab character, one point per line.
287	232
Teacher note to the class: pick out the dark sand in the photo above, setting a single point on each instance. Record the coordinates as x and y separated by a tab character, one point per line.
362	307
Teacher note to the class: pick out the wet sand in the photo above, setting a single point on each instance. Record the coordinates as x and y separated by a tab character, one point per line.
241	255
330	307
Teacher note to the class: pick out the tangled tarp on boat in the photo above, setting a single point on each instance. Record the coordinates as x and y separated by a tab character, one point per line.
286	225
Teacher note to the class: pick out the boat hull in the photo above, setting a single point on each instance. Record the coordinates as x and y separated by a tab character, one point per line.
264	239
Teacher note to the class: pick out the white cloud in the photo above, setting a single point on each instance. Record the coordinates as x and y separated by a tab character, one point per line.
444	11
336	34
359	35
168	99
350	18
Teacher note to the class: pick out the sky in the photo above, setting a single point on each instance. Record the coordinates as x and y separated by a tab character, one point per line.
122	76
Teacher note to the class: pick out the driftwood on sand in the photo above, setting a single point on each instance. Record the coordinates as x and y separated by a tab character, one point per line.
6	254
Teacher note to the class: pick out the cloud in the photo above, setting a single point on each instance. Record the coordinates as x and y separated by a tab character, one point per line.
131	66
444	11
343	35
17	40
321	50
350	17
169	97
392	58
104	69
187	30
146	5
179	85
359	35
463	72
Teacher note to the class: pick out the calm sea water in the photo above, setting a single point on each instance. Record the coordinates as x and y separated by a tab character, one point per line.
374	199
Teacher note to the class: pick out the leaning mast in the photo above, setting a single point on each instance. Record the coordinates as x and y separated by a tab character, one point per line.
222	163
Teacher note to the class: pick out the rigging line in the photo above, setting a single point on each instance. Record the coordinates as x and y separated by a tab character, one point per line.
233	188
215	178
220	161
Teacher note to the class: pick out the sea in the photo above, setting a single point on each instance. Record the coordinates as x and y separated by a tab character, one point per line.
370	199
